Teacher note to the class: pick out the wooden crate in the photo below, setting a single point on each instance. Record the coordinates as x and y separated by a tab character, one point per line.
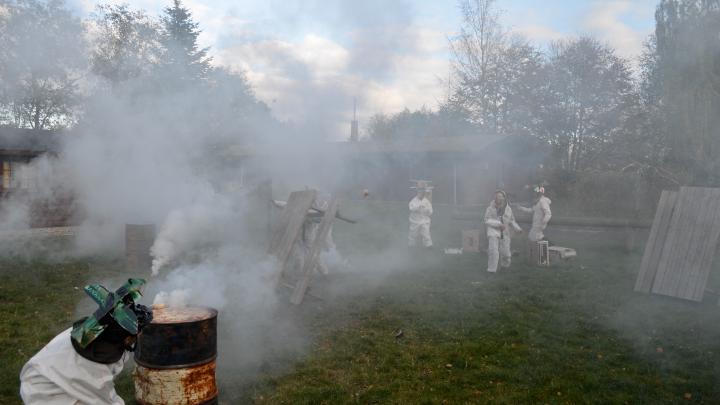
471	241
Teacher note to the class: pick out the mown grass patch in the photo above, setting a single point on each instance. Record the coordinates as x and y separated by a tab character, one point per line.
570	334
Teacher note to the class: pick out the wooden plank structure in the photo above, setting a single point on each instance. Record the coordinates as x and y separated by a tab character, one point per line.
656	241
683	254
691	244
312	257
139	238
288	227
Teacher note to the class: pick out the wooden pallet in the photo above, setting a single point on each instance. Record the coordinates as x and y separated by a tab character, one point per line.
682	244
317	245
690	246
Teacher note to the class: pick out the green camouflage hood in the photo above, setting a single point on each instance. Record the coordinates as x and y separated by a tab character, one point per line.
118	304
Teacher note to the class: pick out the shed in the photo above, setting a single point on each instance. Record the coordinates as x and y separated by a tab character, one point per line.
18	146
464	170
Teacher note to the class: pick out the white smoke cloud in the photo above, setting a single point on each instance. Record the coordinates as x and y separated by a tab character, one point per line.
201	226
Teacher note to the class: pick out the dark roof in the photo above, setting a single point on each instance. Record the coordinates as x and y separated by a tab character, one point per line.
31	141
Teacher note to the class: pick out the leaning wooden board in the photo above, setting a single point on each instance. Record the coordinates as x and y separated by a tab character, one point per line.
287	229
656	242
690	246
706	238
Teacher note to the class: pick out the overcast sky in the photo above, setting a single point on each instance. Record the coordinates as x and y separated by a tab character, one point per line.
308	58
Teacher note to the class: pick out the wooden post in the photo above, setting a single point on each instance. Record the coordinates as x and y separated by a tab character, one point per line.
631	233
139	239
264	191
6	175
454	183
311	259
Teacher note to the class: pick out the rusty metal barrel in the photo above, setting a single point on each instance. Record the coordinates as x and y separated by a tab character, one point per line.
175	358
139	238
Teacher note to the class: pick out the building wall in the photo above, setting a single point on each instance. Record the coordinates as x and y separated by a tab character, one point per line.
16	174
462	179
457	178
18	181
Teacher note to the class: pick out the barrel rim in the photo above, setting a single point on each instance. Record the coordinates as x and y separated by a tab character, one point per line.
175	366
213	315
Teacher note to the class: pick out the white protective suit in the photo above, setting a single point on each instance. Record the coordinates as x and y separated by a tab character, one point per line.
420	212
541	216
499	240
58	375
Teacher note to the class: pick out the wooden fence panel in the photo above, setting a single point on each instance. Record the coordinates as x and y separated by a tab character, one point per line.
690	245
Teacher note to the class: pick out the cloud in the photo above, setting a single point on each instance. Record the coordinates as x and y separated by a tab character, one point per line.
537	33
308	59
316	78
608	20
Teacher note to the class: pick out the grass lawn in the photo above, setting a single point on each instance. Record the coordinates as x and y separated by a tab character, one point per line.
38	299
572	334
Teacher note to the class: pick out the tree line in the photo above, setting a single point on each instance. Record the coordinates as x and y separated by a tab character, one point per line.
595	110
53	65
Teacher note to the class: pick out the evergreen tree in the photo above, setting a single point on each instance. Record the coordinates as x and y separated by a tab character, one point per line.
182	58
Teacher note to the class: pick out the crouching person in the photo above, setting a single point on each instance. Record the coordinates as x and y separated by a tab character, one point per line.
78	366
500	223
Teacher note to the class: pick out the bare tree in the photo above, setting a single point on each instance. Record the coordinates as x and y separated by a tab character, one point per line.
590	96
496	75
126	45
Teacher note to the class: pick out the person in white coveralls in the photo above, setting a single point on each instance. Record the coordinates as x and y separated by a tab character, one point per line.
420	212
79	365
500	223
541	214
